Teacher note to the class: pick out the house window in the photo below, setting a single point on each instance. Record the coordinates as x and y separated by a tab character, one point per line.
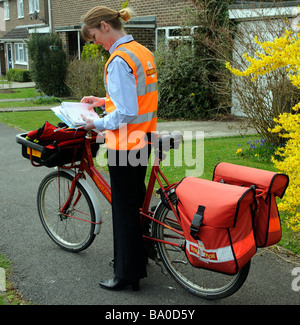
20	53
6	10
171	35
34	5
20	8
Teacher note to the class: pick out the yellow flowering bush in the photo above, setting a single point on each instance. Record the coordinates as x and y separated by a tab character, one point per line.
282	52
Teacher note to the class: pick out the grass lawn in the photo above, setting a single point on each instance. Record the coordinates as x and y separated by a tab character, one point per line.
25	103
215	150
30	120
18	93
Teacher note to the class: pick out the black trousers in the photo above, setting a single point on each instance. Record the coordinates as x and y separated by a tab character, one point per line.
127	179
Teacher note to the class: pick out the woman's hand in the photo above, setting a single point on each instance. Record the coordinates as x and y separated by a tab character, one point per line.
89	123
94	101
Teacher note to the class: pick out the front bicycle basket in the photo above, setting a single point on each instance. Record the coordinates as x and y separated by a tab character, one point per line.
55	154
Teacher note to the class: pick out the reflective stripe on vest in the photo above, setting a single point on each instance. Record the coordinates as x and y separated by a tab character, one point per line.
143	118
142	88
141	62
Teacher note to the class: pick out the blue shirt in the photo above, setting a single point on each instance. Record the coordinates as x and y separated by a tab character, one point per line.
122	91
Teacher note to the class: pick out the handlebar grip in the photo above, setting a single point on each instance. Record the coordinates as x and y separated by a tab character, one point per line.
177	139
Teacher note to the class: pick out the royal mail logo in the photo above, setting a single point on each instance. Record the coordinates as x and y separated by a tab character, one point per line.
150	71
210	255
194	250
197	250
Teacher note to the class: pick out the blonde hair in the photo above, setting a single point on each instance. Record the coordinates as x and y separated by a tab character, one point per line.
94	17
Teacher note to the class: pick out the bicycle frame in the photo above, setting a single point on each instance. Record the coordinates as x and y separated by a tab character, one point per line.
87	165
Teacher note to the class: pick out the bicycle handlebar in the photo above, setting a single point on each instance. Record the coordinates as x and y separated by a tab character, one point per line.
166	142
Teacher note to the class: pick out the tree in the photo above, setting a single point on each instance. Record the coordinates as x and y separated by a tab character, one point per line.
48	63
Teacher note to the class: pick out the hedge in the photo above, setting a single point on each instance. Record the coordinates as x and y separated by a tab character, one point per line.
18	75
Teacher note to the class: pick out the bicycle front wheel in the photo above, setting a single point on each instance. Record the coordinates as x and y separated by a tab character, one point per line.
199	282
72	229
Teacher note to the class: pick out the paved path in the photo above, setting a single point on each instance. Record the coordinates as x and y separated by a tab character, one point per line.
14	85
47	275
189	129
207	129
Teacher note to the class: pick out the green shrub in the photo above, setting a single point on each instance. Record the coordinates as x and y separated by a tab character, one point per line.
48	65
18	75
85	77
190	69
46	100
183	83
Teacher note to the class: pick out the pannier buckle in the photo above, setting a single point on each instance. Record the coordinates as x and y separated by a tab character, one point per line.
197	221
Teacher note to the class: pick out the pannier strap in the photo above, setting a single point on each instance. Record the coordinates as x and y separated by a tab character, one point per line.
197	221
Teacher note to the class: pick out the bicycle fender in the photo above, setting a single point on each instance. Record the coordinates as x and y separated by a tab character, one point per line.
93	197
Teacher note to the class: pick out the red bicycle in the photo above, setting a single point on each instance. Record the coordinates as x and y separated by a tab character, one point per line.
69	210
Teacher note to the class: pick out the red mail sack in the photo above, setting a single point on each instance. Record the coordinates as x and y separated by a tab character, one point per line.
217	222
56	146
268	186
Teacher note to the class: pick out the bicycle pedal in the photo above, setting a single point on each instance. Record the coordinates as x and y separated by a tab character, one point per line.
151	251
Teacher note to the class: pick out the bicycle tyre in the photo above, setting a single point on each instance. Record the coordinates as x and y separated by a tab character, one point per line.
197	281
71	234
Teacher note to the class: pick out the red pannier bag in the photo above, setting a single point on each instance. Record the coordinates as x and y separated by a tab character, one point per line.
217	220
268	185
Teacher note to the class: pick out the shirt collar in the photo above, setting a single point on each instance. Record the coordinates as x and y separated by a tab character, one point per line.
122	40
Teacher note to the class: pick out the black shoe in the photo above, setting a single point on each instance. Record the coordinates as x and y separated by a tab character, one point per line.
118	284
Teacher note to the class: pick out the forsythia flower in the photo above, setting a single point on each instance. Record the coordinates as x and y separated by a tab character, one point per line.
283	52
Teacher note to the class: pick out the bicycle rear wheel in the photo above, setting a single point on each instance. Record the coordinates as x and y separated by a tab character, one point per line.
67	230
199	282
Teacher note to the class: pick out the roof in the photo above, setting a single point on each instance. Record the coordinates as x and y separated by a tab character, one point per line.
16	33
262	4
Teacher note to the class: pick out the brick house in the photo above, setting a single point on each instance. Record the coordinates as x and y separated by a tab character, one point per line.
19	18
152	17
154	20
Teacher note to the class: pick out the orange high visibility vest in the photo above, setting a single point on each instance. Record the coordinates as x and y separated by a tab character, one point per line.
141	62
